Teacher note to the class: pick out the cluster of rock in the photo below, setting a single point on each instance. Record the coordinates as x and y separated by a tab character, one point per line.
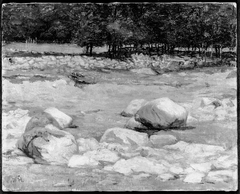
152	65
163	113
128	151
67	61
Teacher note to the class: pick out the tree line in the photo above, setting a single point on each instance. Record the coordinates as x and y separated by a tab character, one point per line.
124	26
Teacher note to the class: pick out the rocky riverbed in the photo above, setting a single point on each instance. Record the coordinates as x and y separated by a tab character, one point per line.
201	156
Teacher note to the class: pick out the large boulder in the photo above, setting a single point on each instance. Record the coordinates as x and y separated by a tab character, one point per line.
48	145
162	113
133	107
49	116
126	137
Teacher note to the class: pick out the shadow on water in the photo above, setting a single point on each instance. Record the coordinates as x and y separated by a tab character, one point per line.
152	131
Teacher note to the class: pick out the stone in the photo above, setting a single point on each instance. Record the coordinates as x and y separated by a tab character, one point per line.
48	145
124	136
221	176
191	119
133	107
62	119
232	74
205	101
59	83
225	162
77	161
162	113
195	177
88	144
41	120
166	177
104	155
135	125
138	164
160	140
176	169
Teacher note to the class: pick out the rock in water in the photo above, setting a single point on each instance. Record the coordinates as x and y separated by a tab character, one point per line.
41	120
133	107
62	119
49	116
162	113
133	124
48	145
124	136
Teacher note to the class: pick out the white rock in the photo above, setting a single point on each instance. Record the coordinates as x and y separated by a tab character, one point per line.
202	167
104	155
225	162
191	119
176	169
87	144
162	113
125	137
139	164
202	102
133	124
160	140
62	119
166	177
133	107
221	176
195	177
59	83
81	161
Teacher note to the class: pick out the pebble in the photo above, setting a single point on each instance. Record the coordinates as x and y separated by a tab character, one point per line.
195	177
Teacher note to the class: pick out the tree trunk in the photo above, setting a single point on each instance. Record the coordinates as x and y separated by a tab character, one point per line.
87	49
91	48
